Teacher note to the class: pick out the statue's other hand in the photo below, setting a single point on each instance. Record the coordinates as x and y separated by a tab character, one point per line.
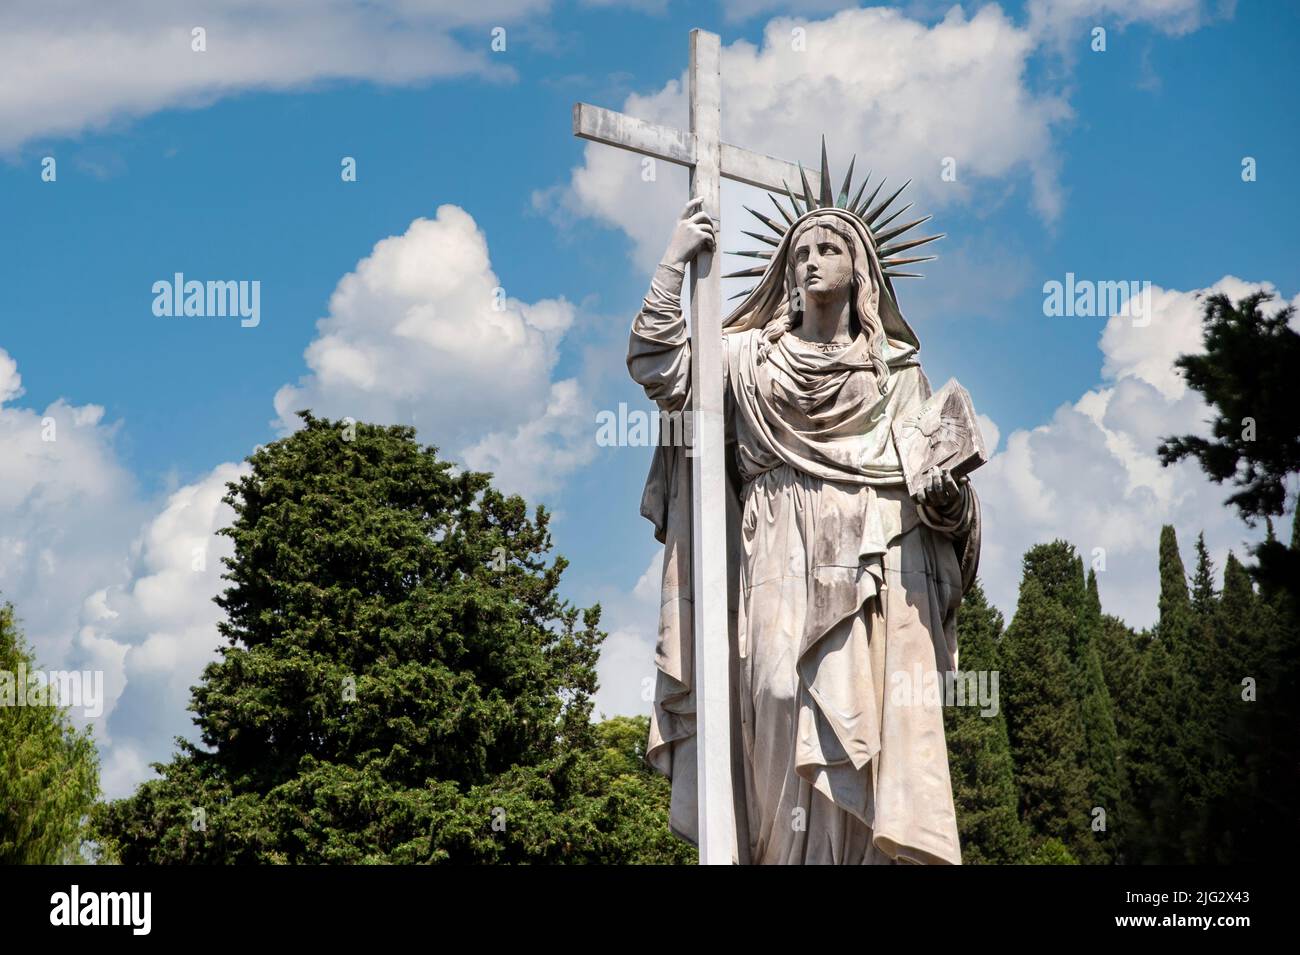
693	232
939	489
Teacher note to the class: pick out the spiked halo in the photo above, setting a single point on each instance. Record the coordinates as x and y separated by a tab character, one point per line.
890	246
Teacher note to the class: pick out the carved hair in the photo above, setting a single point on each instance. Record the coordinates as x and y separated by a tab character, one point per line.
865	295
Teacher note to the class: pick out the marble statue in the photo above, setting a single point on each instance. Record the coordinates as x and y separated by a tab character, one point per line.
842	585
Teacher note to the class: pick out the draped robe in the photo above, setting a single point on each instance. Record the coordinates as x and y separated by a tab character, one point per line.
842	592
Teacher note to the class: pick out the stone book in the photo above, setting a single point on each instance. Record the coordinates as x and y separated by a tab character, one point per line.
941	432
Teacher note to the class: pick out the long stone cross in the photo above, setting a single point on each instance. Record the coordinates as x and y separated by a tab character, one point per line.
701	150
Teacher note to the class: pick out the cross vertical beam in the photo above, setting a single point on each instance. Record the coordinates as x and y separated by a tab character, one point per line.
717	831
709	160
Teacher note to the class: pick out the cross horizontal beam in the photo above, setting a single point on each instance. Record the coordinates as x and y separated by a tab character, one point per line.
678	146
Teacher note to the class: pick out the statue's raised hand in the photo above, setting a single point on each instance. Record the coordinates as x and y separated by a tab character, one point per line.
693	232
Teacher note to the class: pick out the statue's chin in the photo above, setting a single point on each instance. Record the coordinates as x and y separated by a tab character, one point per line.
826	295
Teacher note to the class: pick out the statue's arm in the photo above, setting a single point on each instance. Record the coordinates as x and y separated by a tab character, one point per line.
658	349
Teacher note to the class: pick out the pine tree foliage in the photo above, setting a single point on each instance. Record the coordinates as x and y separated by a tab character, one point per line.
401	681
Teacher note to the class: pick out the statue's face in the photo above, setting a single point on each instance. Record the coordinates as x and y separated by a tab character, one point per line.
823	263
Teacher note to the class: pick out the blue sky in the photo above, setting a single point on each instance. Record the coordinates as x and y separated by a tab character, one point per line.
1123	164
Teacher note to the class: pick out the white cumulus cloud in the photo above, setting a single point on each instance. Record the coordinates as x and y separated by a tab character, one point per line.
66	507
902	95
422	332
104	579
68	67
155	631
1091	475
905	94
72	66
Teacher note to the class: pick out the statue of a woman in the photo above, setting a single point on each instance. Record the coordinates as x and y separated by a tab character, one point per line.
844	589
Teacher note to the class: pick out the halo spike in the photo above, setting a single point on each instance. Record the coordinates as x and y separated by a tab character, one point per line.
770	240
808	199
794	203
892	216
739	294
781	209
904	246
826	200
848	181
904	275
874	214
884	237
871	198
765	220
861	189
747	273
891	263
752	253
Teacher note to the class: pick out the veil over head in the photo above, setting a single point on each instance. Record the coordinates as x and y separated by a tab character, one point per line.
770	300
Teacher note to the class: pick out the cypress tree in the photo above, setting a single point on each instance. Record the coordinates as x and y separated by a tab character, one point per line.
1097	710
1060	572
1258	634
1215	694
1244	680
1234	632
1205	598
1280	756
979	754
1189	764
1120	650
1044	722
1151	771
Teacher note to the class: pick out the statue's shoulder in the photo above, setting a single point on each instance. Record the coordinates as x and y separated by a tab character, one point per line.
910	371
738	343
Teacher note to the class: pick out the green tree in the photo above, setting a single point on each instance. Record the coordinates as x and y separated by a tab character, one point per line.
979	755
1234	619
49	772
1120	649
1246	374
1071	607
1213	720
1237	624
1253	819
1205	598
1097	709
1052	852
1044	719
400	682
1189	764
1154	737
